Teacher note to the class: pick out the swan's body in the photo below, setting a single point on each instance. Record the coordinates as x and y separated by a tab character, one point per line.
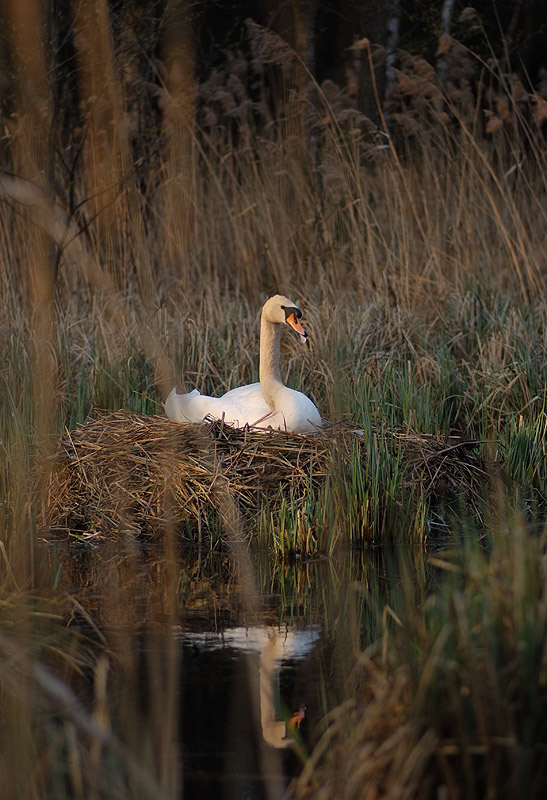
246	406
260	405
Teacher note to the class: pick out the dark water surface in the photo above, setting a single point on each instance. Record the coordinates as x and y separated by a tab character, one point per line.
218	664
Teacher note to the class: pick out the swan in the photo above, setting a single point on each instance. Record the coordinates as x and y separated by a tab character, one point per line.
267	404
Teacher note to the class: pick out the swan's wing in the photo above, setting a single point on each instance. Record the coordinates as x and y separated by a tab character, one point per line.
310	418
193	407
295	412
180	407
246	394
242	406
245	406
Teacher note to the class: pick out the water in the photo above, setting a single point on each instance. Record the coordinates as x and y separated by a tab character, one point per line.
205	678
240	687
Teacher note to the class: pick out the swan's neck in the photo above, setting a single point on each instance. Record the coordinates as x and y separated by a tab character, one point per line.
270	375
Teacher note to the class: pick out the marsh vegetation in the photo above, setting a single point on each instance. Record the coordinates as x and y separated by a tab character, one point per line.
136	249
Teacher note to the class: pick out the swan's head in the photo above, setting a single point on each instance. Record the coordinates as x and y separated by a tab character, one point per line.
281	309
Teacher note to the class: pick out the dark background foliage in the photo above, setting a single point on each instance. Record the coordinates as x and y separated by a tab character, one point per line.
321	31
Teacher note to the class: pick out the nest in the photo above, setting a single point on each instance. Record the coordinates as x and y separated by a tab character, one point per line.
128	471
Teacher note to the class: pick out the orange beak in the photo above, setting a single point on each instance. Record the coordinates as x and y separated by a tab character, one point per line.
294	323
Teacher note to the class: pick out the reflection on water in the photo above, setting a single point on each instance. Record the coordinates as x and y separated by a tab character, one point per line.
241	686
274	646
195	664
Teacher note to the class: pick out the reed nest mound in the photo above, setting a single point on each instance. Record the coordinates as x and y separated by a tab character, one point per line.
125	471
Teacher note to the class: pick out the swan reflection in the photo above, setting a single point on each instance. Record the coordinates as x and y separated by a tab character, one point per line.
274	646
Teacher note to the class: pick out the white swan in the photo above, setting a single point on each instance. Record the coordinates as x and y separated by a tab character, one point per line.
260	405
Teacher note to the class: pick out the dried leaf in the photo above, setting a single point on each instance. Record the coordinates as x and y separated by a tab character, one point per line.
502	107
445	45
468	14
541	108
494	123
360	44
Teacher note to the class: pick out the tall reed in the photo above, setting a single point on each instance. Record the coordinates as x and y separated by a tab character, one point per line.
450	697
137	244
